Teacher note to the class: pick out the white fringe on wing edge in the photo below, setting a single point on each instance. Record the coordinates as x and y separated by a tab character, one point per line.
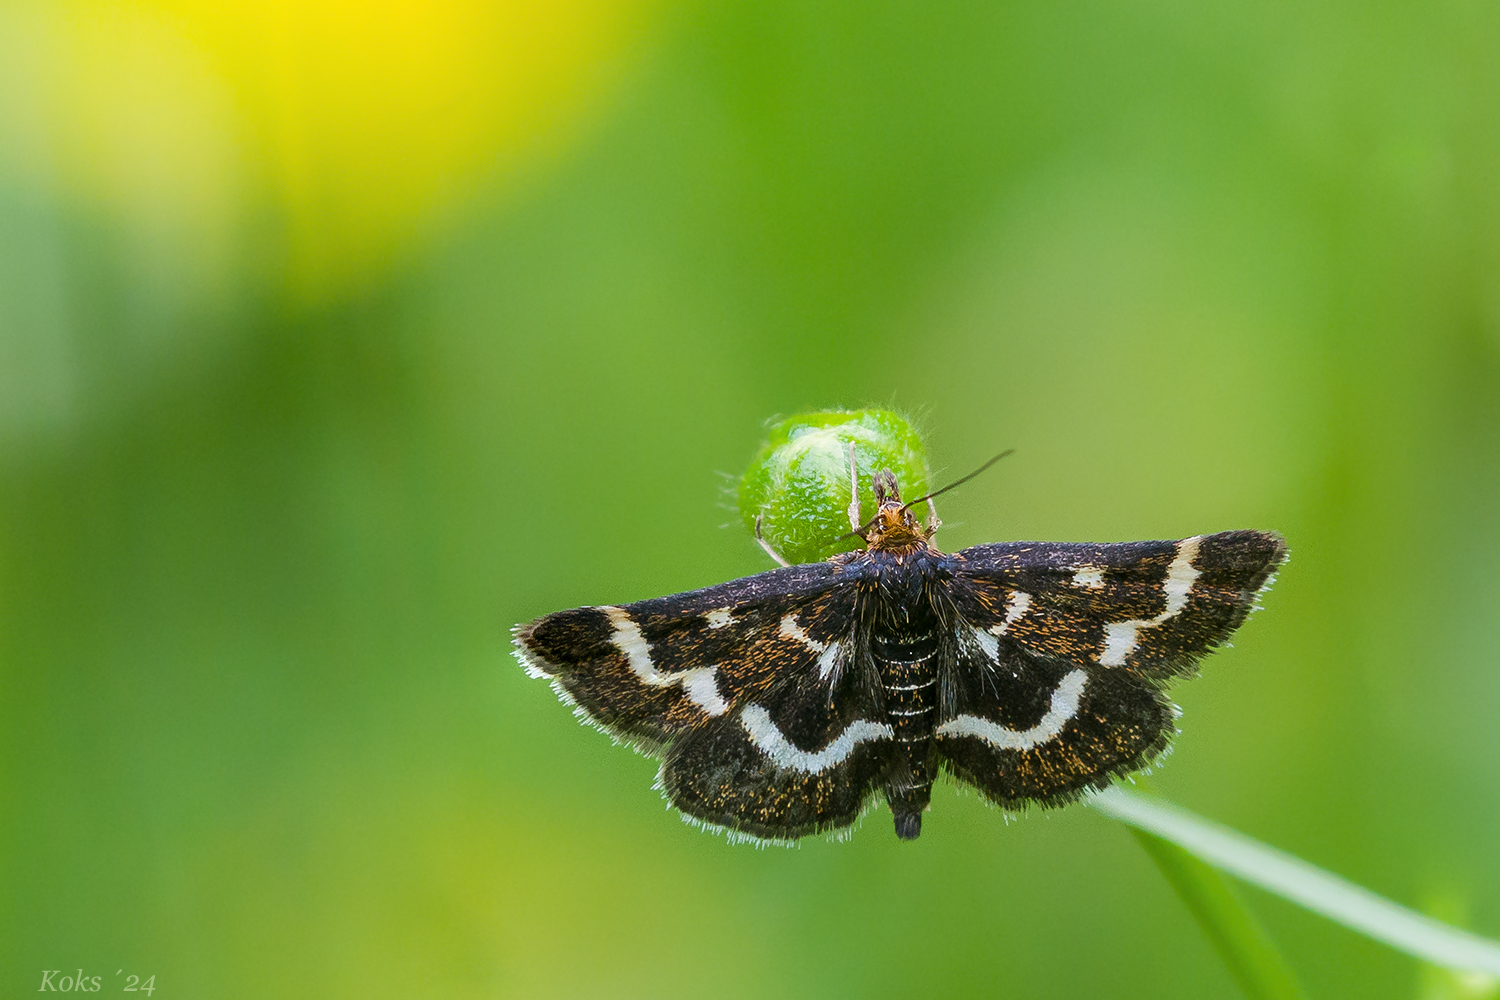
1305	884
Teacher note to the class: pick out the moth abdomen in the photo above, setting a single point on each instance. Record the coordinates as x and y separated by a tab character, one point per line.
906	652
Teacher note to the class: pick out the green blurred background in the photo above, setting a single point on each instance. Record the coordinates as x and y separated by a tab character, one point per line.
336	339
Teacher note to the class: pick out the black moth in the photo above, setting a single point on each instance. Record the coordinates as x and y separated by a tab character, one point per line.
780	702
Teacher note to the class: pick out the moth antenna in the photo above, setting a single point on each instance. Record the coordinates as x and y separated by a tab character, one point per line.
960	482
858	532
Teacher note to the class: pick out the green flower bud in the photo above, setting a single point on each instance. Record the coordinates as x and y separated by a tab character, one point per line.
799	482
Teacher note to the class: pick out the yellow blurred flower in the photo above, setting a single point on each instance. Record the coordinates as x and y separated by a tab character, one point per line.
363	125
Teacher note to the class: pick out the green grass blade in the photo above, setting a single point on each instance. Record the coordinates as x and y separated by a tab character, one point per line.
1304	884
1238	937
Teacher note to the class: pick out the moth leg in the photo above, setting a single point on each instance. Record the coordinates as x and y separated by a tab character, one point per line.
767	545
853	491
933	523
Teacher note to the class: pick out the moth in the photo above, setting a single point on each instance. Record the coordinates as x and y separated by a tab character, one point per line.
781	703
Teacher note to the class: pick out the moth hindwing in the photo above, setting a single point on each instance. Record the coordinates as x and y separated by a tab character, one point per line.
781	702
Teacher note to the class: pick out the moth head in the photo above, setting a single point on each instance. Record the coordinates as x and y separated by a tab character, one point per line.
894	525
